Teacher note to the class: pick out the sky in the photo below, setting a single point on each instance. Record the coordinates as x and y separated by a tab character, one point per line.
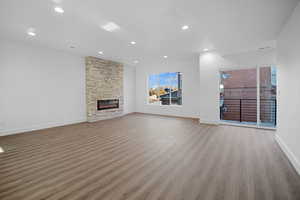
163	79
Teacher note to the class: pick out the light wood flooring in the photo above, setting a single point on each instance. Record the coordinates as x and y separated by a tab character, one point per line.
141	157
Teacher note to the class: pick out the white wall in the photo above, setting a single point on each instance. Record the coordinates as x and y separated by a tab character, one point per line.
39	88
129	89
209	66
288	131
42	87
190	82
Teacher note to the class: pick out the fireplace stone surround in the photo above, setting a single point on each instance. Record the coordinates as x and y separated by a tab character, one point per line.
104	81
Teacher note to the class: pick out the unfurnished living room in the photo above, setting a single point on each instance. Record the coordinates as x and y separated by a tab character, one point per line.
150	99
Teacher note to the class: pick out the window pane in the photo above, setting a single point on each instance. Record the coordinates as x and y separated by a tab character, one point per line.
176	89
165	89
268	85
238	96
153	85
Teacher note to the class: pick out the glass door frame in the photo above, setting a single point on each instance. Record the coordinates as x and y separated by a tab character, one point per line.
258	89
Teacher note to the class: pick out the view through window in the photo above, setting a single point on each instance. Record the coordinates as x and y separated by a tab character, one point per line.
165	89
248	96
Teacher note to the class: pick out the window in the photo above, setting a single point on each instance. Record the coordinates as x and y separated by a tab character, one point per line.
165	89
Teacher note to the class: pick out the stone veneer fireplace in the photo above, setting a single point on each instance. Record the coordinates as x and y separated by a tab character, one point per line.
104	89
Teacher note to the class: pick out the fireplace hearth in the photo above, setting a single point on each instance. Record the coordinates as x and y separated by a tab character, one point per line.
107	104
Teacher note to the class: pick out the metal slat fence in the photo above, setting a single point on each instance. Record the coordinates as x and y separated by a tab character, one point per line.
245	110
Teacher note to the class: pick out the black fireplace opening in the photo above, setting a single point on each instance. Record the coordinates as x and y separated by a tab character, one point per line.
107	104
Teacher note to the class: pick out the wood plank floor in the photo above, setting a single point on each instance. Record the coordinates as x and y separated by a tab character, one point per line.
146	157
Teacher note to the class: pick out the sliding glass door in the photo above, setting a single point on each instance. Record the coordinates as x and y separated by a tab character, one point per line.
267	96
248	96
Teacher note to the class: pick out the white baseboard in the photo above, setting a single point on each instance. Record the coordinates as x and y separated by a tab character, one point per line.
39	127
44	126
292	158
167	115
209	122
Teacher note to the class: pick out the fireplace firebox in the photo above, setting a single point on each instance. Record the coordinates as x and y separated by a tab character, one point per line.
107	104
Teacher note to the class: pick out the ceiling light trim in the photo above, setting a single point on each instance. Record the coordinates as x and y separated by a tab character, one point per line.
111	27
185	27
59	10
31	32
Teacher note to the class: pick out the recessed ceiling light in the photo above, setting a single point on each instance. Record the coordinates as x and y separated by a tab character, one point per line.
132	42
205	49
185	27
165	56
59	10
100	52
111	26
31	32
136	61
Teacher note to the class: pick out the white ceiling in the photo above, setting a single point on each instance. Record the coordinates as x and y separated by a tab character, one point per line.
224	25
